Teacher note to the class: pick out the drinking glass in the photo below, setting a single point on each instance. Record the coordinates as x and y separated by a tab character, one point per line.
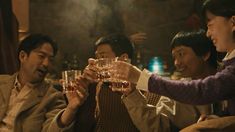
69	80
118	84
104	66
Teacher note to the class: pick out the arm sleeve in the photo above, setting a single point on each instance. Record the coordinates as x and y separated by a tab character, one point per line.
54	112
214	88
144	116
181	115
167	115
142	83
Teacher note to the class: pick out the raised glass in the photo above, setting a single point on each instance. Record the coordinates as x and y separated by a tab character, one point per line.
116	83
104	66
69	80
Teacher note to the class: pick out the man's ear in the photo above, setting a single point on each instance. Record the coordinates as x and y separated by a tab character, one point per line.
206	56
233	22
233	19
124	56
22	55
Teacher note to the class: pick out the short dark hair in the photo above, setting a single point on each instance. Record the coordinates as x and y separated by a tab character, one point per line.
34	41
225	8
119	43
199	43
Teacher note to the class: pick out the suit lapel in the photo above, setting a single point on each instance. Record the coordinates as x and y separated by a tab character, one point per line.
5	92
34	98
5	89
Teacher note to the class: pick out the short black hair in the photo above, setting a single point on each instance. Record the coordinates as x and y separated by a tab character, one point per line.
119	43
199	43
34	41
224	8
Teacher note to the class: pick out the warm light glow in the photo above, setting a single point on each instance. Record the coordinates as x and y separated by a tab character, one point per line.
21	11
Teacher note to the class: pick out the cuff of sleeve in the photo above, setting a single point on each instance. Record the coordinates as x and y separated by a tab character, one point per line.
142	83
134	99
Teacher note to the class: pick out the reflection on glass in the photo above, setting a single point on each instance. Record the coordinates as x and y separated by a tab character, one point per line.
116	83
69	78
104	66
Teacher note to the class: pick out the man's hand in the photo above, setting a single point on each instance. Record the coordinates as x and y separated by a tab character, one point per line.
90	72
207	117
75	99
125	71
138	38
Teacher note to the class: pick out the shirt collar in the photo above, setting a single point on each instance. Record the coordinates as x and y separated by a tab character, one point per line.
17	84
229	55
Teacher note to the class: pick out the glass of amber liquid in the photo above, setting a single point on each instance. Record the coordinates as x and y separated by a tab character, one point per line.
104	66
116	83
69	80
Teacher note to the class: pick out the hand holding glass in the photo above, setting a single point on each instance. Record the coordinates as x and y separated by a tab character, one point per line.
126	71
104	66
109	72
117	83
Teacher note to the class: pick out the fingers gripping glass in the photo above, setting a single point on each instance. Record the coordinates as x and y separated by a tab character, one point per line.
106	73
104	66
118	84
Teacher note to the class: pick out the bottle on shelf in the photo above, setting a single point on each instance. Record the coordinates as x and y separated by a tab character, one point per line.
74	63
65	63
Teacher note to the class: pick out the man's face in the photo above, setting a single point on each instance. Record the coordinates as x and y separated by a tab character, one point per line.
36	65
220	30
104	51
186	61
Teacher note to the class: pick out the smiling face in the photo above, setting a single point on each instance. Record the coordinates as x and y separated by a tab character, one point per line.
36	64
187	62
220	30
